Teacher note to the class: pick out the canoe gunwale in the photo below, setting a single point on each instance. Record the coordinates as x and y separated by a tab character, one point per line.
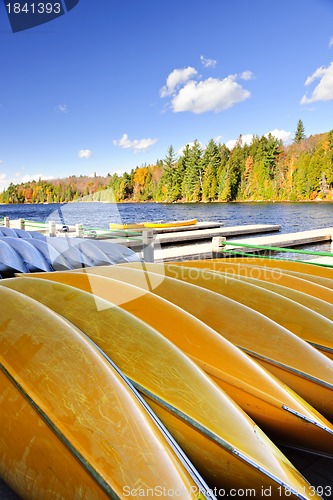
307	419
135	388
321	347
224	444
287	368
218	440
296	493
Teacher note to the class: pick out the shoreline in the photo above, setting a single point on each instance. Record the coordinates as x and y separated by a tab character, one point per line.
173	202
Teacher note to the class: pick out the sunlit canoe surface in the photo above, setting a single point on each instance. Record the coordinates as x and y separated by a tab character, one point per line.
69	425
313	326
291	265
298	364
269	402
297	281
176	223
226	446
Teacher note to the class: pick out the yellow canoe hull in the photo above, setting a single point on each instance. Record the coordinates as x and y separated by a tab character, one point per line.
287	265
303	272
310	325
126	226
308	372
260	394
181	223
297	281
62	406
208	425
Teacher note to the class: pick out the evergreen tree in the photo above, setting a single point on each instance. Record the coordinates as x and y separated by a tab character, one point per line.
168	179
210	164
233	173
300	132
192	182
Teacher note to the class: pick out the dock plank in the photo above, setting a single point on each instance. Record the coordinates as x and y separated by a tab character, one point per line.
289	239
204	250
209	233
135	242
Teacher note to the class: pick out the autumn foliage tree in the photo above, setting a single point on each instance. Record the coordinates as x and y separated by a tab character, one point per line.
263	170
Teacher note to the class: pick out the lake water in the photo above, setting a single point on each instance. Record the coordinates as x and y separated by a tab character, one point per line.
291	216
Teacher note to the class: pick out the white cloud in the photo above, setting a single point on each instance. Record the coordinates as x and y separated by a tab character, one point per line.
218	139
324	90
246	75
18	178
1	162
35	177
176	78
62	108
208	63
248	138
245	139
280	134
136	145
85	153
330	43
209	95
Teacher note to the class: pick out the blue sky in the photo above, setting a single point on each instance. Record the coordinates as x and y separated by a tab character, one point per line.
111	84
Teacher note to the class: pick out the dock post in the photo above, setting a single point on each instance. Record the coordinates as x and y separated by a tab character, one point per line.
52	228
22	224
79	230
218	243
148	245
6	221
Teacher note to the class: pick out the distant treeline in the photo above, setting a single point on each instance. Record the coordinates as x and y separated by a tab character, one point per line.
264	170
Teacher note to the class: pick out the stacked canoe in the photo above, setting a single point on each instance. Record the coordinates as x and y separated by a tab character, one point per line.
135	379
29	251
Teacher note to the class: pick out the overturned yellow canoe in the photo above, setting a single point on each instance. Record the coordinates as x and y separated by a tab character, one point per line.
69	425
297	269
273	406
310	325
134	225
280	412
299	365
288	265
176	223
227	447
296	281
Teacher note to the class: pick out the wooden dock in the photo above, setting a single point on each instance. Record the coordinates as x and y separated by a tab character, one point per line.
209	233
134	240
289	239
204	250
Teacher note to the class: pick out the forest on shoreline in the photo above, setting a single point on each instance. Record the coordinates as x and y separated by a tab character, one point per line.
265	170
